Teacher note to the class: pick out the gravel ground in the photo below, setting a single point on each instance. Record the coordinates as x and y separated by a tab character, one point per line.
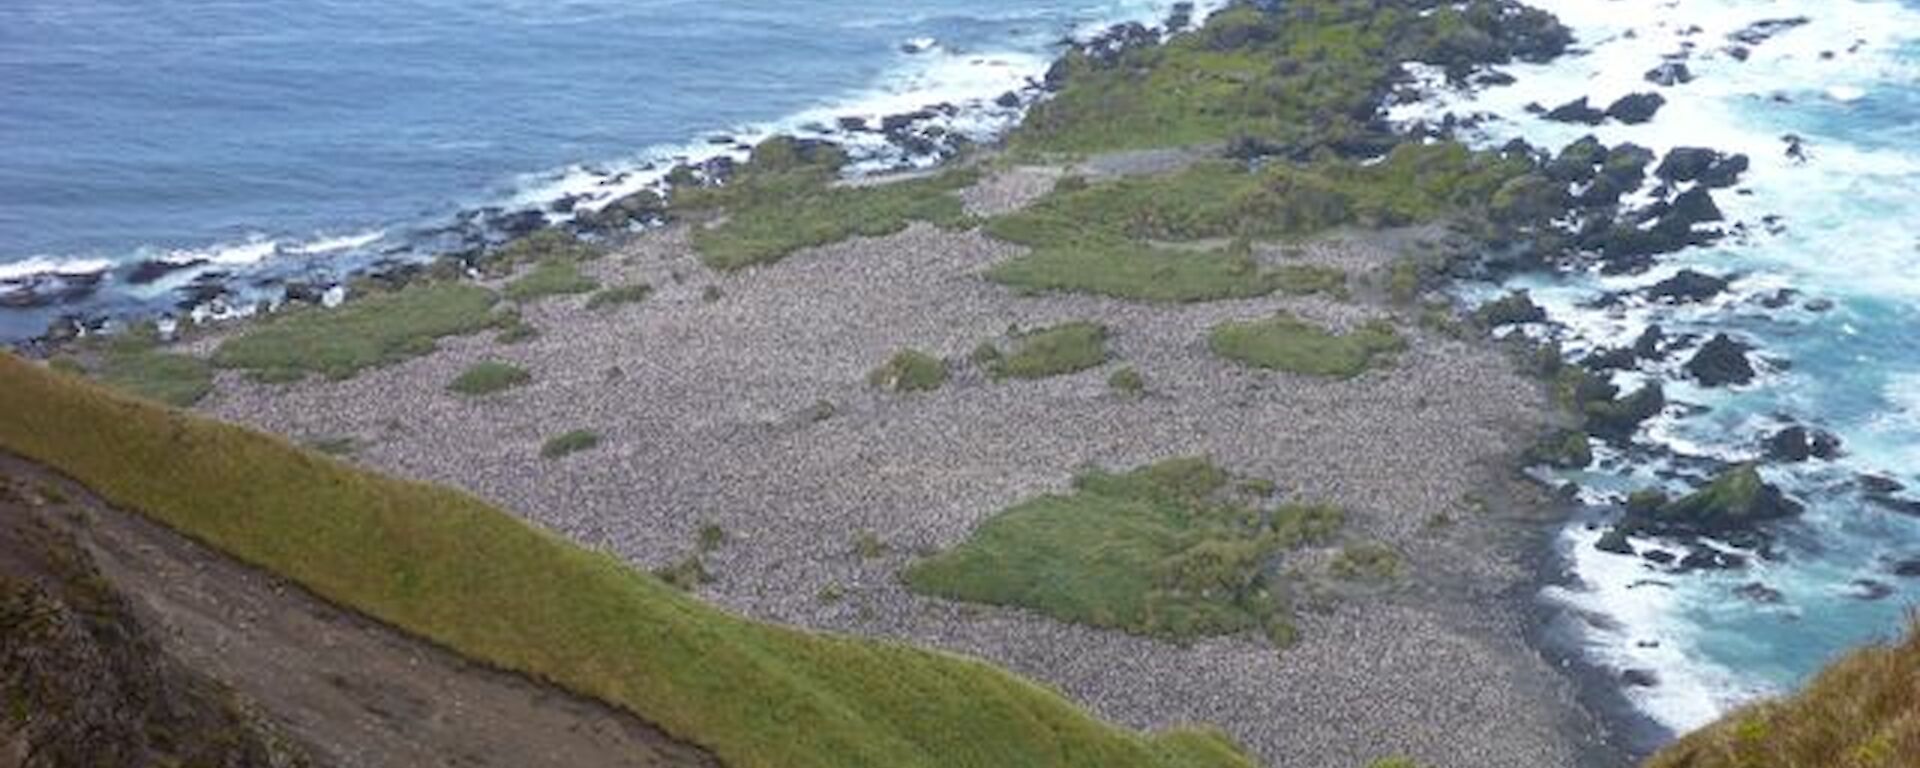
708	412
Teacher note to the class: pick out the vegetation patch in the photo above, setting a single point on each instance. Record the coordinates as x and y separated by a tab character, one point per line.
1127	382
1284	343
1291	77
550	278
1059	350
1171	550
447	567
619	296
135	365
1369	562
488	378
785	199
1146	237
910	371
377	330
570	443
547	245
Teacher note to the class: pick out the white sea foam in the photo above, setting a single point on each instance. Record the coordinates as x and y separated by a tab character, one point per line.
337	244
1837	242
47	265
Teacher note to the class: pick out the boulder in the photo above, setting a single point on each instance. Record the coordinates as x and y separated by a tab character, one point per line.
1870	590
1636	108
1797	444
1516	308
1720	362
1626	165
1616	419
1906	569
643	207
1760	593
1707	166
1649	345
1737	500
1577	111
1670	74
1686	287
1694	206
1615	542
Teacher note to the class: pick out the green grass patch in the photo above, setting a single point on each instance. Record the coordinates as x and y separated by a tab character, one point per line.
910	371
177	380
381	329
489	377
1169	551
1056	351
1368	562
447	567
550	278
1284	343
1302	76
1127	382
570	443
619	296
544	246
784	199
1146	237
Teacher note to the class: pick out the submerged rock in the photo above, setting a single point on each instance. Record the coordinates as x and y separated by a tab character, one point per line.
1687	286
1760	593
1577	111
1870	590
1721	362
1796	444
1670	74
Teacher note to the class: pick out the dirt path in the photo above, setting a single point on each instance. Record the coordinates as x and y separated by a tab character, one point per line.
356	692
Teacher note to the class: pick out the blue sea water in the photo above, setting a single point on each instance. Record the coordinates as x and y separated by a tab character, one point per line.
240	131
1843	355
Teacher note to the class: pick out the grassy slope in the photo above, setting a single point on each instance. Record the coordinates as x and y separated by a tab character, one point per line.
450	568
380	329
1863	711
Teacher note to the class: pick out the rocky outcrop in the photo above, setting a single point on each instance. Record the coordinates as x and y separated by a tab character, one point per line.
1797	444
1687	287
1515	308
1636	108
1721	362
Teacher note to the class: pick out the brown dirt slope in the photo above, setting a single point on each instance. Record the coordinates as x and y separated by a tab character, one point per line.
195	657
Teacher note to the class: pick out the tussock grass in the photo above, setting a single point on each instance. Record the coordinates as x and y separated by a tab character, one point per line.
1167	550
910	371
1285	343
619	296
784	199
1862	711
137	367
1055	351
544	246
445	566
570	443
1127	382
489	377
557	277
377	330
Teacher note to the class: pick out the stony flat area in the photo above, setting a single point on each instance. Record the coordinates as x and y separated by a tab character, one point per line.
711	410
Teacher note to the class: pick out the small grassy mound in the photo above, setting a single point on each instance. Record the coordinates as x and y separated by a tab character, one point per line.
570	443
381	329
1284	343
1122	238
538	248
619	296
557	277
784	199
1862	711
488	378
1059	350
910	371
1127	382
445	566
1173	550
133	363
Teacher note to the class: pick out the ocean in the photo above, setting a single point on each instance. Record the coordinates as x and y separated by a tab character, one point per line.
1839	351
299	139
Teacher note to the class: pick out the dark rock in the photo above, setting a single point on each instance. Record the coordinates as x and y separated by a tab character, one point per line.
644	207
1494	77
1721	362
1627	164
852	123
1515	308
1615	420
1670	74
1820	305
151	270
1659	557
1906	569
1796	147
1577	111
1760	593
1528	200
1706	166
1649	345
518	223
1694	206
1687	286
1870	590
1008	100
1884	492
1637	108
1765	29
1735	502
1614	541
1640	678
1709	559
1780	299
1796	444
1611	359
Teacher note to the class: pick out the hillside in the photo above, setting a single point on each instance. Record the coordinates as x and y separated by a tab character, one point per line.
449	568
